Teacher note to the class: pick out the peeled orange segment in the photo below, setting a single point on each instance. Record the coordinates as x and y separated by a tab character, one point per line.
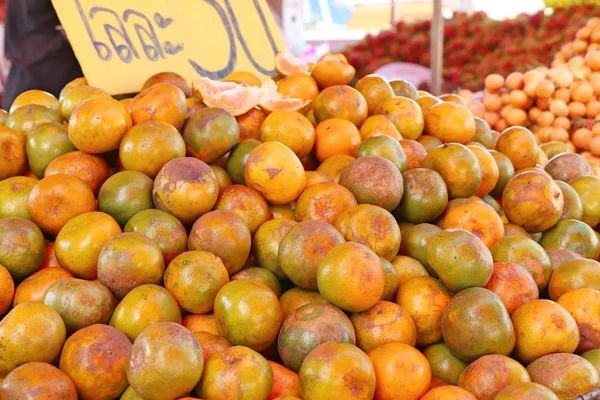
279	103
236	101
339	57
204	88
286	64
243	77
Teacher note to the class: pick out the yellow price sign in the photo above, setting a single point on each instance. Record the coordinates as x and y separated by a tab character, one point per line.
120	43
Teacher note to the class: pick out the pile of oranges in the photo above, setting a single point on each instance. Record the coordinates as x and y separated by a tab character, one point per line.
291	238
560	103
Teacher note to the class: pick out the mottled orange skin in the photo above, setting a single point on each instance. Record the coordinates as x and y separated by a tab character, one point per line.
543	327
265	244
513	284
415	152
78	95
166	362
142	307
222	176
245	202
406	115
526	391
398	359
332	69
247	313
336	136
371	226
34	287
414	245
250	124
7	290
80	303
236	373
313	177
14	193
574	274
129	260
429	142
200	323
448	392
593	356
391	280
42	334
275	172
290	128
520	146
383	323
187	188
478	218
159	102
426	102
489	374
22	245
407	268
79	242
194	278
458	166
193	105
584	305
98	125
533	201
210	133
445	366
226	235
56	199
285	382
37	380
567	375
476	323
298	86
72	84
12	153
332	168
283	211
308	327
558	257
375	89
337	371
450	122
211	343
38	97
379	125
149	145
351	277
295	298
95	359
526	252
324	202
163	228
425	299
489	169
25	119
514	230
172	78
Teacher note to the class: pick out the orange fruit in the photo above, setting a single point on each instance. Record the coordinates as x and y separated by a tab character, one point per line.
379	125
574	274
285	382
194	278
38	97
286	64
445	366
159	102
290	128
332	69
375	89
298	85
225	234
34	287
478	218
36	379
274	101
295	298
339	371
92	169
371	226
314	177
324	202
12	153
250	123
519	145
407	268
583	305
236	101
450	122
7	290
210	133
266	241
173	79
383	323
448	392
342	102
200	323
513	284
333	167
351	277
260	275
543	318
149	145
406	115
302	249
211	343
245	202
336	136
27	118
56	199
244	77
398	359
14	193
489	169
247	313
98	125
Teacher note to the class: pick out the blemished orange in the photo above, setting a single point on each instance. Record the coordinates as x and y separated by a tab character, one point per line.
336	136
